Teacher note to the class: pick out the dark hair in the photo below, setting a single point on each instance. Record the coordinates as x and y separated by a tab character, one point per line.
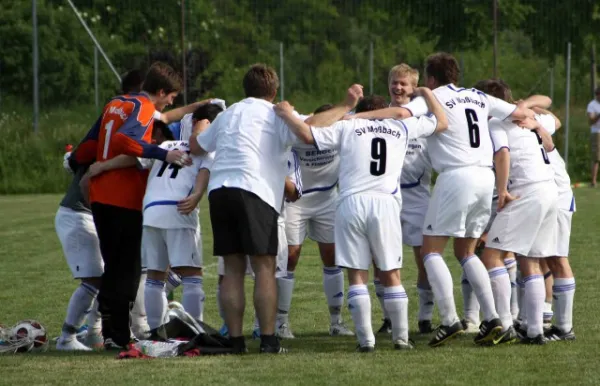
260	81
161	127
207	111
443	67
496	88
132	81
325	107
370	103
161	76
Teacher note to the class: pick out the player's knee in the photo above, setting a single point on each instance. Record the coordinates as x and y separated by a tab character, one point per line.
93	281
293	257
156	275
187	271
390	278
560	267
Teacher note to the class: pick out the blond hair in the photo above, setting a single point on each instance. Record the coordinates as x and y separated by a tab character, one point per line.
403	70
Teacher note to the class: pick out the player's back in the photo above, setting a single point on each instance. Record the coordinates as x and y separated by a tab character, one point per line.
466	142
320	169
121	187
167	185
529	162
371	156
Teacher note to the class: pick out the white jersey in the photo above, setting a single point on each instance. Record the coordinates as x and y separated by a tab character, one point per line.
566	199
529	162
320	168
372	151
186	127
167	185
466	142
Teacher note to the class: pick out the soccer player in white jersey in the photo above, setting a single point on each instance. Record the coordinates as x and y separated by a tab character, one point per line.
313	216
368	213
525	226
415	189
171	234
461	199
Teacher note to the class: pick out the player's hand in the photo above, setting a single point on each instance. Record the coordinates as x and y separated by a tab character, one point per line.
420	91
505	198
96	169
283	108
528	123
353	95
178	157
188	204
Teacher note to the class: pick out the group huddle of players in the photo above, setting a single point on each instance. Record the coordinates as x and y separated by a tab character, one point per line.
361	188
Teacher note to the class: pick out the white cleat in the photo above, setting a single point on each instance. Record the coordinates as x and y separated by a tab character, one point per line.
71	345
94	341
339	329
284	331
402	344
469	327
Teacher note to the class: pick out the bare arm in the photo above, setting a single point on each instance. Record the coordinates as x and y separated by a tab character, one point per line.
178	113
290	191
119	162
299	127
435	108
547	141
502	166
539	110
593	118
389	113
188	204
536	101
329	117
199	127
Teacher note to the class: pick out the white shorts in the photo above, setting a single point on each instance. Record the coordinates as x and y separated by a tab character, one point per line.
527	226
563	232
493	213
180	247
365	226
282	256
412	219
313	214
460	203
77	234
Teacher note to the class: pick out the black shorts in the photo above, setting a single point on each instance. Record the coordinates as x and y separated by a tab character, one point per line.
242	223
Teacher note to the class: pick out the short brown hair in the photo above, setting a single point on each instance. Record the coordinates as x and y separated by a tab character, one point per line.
402	70
496	88
261	81
370	103
161	76
443	67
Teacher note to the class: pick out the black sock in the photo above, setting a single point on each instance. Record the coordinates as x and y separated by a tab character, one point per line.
269	340
238	343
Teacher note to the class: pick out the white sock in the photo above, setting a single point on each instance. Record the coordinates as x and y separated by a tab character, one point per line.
359	303
173	281
501	288
193	296
396	305
470	303
155	300
563	293
221	312
440	280
379	292
548	313
94	320
535	295
333	285
511	267
285	289
480	281
138	317
426	302
79	306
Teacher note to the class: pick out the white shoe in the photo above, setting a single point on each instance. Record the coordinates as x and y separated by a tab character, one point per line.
402	344
284	331
470	327
71	345
94	340
339	329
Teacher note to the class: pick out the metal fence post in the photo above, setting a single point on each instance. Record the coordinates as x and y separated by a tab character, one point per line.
281	71
36	86
568	100
371	68
96	91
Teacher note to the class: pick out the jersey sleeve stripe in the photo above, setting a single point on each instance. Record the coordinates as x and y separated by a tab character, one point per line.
502	147
163	202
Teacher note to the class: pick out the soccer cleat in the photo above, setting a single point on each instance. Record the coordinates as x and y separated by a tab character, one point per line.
469	327
109	344
401	344
520	329
94	341
507	337
284	331
256	333
224	331
272	349
339	329
556	334
488	331
365	349
386	327
445	333
538	340
71	345
425	327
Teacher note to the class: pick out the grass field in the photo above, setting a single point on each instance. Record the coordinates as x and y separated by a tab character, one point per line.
35	283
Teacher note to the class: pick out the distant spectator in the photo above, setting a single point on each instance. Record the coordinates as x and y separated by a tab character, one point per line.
593	111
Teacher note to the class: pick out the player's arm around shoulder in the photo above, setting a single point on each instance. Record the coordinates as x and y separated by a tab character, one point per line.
435	108
300	128
188	204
